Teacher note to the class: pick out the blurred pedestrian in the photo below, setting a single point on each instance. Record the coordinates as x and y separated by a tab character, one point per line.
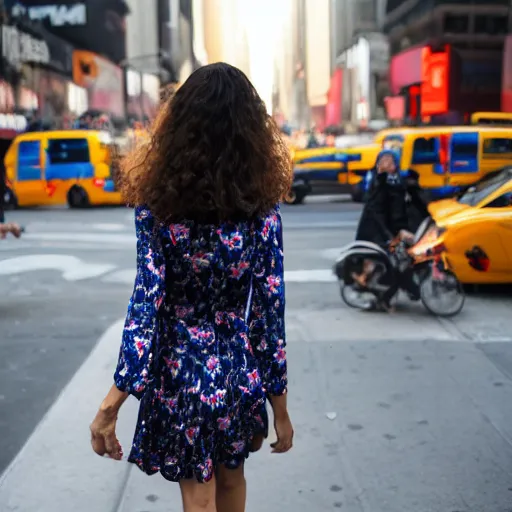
204	342
384	218
6	227
9	228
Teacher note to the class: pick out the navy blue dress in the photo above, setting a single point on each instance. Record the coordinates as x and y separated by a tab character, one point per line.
204	342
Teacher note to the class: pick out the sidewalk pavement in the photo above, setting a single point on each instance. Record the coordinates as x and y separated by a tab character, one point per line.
361	407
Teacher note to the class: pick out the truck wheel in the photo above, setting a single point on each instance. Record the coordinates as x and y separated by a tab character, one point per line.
295	196
77	197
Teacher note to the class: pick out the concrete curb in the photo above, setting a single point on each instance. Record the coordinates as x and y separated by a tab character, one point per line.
56	469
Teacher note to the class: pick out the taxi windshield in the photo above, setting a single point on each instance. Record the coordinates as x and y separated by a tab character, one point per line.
478	192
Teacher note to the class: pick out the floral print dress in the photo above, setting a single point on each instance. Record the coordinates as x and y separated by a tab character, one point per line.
204	342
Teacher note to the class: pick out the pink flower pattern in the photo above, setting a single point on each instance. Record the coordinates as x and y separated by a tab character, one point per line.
201	372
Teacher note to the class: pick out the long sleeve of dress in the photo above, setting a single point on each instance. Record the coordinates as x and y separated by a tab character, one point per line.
133	369
269	279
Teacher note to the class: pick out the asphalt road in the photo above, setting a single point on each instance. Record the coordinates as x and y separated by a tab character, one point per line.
393	413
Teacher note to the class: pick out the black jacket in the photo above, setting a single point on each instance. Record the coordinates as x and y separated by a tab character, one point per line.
417	209
385	213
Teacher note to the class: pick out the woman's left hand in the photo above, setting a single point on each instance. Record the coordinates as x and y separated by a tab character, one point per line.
103	435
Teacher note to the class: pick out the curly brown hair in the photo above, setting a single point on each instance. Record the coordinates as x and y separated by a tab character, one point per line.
213	153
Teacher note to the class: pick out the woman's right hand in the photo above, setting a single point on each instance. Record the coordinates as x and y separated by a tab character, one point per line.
103	429
284	433
103	435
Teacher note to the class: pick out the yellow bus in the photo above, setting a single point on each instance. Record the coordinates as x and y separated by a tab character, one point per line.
58	167
451	157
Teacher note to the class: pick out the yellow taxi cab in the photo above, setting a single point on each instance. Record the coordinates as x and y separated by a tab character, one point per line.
58	167
476	229
448	158
491	118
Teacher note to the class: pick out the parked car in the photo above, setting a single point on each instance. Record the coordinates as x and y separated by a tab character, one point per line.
476	228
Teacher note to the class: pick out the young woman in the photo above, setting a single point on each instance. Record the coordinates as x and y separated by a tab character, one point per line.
204	341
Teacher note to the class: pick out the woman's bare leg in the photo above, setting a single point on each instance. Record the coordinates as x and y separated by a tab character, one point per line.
198	497
231	489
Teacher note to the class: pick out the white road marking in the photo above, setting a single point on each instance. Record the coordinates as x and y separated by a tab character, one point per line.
100	238
72	268
331	254
340	224
127	276
326	198
309	276
109	227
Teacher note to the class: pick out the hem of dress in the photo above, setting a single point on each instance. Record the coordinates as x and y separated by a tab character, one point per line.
155	470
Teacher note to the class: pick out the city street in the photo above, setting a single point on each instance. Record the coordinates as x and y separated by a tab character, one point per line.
392	413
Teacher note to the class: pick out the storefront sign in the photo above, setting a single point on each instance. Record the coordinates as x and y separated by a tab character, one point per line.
98	25
405	69
19	47
102	80
435	70
395	108
55	15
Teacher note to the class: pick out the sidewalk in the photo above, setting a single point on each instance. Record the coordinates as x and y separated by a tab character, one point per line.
360	405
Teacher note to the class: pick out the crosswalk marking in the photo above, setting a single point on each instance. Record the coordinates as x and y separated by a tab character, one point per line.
99	238
75	269
127	276
72	268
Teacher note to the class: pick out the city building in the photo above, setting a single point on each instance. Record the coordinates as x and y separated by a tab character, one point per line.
142	67
456	44
94	25
359	62
93	38
284	72
318	65
302	64
225	33
36	78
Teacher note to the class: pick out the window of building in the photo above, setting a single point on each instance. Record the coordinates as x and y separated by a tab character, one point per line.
454	24
393	4
491	24
425	151
66	151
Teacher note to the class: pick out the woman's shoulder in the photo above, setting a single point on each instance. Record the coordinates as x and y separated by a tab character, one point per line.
262	223
143	213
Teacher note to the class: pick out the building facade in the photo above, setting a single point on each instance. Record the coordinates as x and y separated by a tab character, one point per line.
143	70
225	33
471	33
94	25
359	63
317	45
302	65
